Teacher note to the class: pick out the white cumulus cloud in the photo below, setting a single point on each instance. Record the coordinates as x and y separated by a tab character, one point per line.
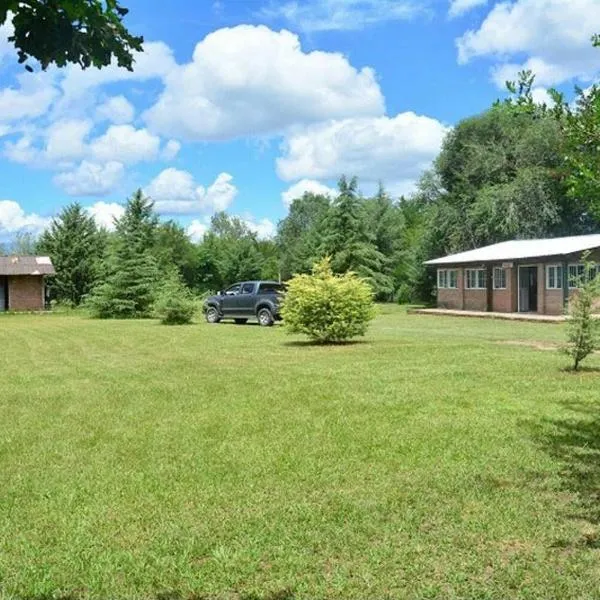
554	36
390	149
264	229
306	185
249	80
175	192
196	229
126	144
460	7
91	179
116	109
14	219
105	213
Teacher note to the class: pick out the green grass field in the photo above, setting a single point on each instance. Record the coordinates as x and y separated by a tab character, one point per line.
440	458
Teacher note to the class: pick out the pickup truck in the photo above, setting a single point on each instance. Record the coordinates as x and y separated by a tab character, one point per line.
246	300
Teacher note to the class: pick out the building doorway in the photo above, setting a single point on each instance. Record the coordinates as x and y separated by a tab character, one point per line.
528	289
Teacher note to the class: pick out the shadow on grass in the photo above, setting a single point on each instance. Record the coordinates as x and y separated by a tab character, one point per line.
575	443
581	370
306	343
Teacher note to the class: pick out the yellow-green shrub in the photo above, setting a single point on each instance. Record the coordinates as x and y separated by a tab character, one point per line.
327	307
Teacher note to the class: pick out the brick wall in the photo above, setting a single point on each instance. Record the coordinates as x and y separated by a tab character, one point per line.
554	302
25	293
476	300
452	298
503	300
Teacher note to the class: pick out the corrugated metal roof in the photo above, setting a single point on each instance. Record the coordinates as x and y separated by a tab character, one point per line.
521	249
26	265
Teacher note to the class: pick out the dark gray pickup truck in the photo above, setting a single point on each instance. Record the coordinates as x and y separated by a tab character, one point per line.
247	300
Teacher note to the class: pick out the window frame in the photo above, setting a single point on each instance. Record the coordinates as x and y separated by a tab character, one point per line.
244	285
442	285
504	278
446	276
477	281
558	277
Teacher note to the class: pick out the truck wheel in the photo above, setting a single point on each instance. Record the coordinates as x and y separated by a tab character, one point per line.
265	317
212	315
240	321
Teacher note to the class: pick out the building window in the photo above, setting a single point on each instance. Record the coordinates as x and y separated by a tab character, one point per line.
499	278
554	277
447	279
442	278
577	275
475	279
453	279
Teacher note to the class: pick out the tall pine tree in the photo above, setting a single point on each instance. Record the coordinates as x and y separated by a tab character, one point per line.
350	243
75	246
130	287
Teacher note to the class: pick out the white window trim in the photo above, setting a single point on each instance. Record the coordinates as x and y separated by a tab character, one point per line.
447	285
558	280
439	273
494	278
455	271
466	286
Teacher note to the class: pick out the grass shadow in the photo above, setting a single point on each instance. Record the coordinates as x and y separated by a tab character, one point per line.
307	343
581	370
575	443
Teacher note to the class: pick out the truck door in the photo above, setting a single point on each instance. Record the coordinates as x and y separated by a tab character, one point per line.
229	300
247	299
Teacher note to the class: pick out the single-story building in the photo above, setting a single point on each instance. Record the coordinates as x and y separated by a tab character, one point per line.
536	276
22	282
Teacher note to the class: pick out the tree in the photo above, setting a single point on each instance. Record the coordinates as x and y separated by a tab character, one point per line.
130	286
84	32
327	307
173	248
174	304
230	251
76	247
300	235
582	327
350	244
24	244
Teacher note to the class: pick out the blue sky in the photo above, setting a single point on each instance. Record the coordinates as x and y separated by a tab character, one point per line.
244	104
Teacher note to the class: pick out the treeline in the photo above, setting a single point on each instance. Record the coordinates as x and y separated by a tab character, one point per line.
518	170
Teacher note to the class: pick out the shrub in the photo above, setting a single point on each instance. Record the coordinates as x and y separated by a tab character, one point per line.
174	304
582	327
327	307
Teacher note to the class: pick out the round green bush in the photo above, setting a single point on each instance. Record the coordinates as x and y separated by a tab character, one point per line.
174	304
327	307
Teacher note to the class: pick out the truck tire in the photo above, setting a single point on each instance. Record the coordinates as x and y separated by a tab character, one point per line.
265	317
240	321
212	315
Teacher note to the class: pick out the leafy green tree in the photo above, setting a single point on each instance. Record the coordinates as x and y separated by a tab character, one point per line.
300	235
326	307
582	326
173	248
84	32
24	244
231	251
130	286
76	248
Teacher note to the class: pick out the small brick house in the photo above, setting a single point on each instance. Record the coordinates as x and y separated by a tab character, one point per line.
537	276
22	282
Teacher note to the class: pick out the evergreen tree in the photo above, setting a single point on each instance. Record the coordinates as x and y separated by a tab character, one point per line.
349	242
130	287
75	246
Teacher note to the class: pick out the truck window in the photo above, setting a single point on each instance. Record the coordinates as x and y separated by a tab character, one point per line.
271	288
248	288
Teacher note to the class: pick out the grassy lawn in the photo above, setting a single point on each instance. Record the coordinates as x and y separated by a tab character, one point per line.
441	458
